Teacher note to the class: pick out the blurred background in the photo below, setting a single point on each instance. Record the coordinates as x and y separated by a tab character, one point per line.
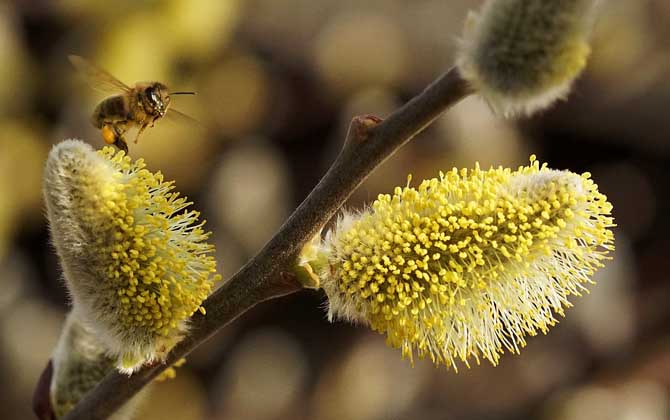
278	83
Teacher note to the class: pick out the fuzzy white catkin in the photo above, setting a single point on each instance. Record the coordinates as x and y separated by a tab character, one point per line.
523	55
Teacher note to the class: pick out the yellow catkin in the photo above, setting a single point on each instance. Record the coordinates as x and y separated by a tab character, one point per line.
135	258
468	264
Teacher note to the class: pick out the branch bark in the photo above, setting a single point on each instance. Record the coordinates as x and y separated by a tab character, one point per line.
369	142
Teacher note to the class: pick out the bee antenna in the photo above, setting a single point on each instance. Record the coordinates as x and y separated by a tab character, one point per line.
183	93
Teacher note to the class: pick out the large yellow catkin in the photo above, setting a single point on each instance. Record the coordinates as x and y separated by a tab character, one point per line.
135	259
467	264
523	55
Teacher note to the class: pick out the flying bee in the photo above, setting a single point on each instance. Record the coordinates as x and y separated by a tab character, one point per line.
140	106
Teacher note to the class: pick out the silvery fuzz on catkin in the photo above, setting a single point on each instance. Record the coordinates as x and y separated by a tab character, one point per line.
468	264
523	55
135	261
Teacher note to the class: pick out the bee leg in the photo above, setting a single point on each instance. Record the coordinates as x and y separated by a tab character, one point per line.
121	144
142	128
119	139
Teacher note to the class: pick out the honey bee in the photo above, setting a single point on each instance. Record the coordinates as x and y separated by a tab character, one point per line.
140	106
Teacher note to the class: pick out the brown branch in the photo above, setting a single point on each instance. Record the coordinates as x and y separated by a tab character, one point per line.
369	142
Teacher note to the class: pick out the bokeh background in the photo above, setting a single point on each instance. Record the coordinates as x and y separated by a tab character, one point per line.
278	83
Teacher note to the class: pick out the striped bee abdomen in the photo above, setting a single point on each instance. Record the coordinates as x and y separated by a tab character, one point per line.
111	110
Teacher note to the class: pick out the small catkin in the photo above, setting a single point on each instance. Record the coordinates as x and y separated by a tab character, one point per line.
79	363
523	55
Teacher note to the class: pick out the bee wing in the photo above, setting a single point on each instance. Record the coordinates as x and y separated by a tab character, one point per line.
174	115
96	77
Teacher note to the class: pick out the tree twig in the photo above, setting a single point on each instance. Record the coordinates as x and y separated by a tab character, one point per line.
369	142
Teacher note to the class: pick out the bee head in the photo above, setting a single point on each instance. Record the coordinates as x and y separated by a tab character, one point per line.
157	99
